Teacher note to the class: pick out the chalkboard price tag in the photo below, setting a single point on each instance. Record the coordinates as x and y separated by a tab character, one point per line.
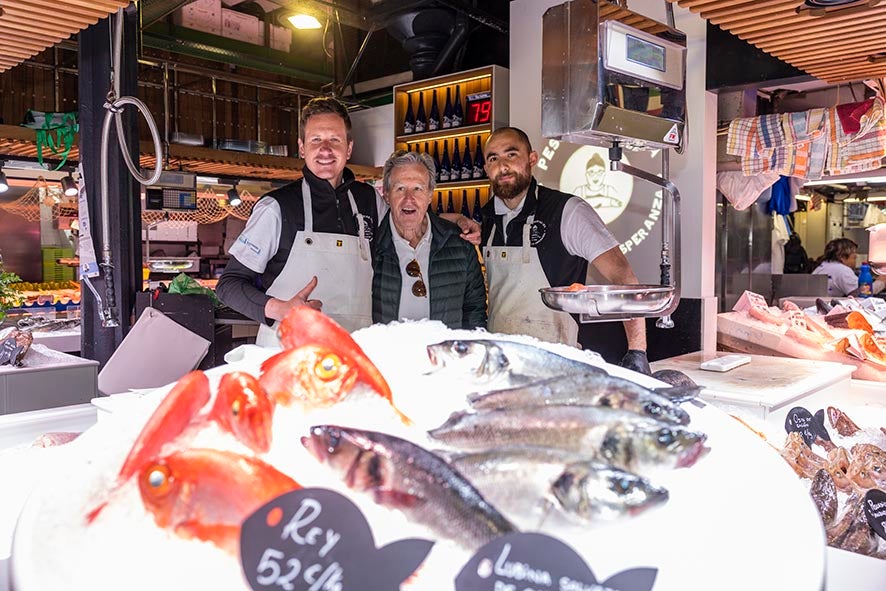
316	539
800	420
520	561
875	511
9	351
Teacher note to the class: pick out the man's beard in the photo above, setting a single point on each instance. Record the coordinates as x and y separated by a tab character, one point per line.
507	191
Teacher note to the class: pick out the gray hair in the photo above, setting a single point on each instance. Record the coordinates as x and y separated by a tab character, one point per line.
402	158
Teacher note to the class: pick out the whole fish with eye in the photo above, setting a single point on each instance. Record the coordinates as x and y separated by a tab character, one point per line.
523	481
588	389
401	475
244	409
590	491
620	438
507	362
207	494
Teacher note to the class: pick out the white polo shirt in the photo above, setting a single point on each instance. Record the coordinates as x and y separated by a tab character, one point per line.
412	307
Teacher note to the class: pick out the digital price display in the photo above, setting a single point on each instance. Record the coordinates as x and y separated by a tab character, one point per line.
479	108
645	53
166	198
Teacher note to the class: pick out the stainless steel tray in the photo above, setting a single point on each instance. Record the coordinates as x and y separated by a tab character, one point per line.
601	300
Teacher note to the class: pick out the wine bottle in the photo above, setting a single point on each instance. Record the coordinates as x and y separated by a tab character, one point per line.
465	211
467	168
409	122
408	149
478	172
434	117
439	202
447	111
426	148
445	166
458	115
455	174
421	120
477	214
450	207
437	163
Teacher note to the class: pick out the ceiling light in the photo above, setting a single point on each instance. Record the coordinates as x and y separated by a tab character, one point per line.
4	184
847	179
233	197
304	21
69	186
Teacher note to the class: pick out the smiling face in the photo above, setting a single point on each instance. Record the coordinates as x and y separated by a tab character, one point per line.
509	163
409	197
326	147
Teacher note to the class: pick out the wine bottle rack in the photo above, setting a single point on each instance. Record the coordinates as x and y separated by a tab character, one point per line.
489	111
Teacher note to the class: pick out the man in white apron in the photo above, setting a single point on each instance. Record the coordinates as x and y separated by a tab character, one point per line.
536	237
308	243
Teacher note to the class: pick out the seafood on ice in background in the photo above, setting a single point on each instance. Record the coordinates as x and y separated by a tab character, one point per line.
840	480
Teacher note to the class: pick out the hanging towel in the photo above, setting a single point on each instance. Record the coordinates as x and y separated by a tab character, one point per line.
850	115
742	191
861	152
780	235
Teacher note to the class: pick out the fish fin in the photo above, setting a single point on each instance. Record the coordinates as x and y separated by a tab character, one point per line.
397	498
406	556
635	579
678	394
90	517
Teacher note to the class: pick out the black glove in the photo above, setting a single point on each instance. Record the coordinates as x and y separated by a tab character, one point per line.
636	360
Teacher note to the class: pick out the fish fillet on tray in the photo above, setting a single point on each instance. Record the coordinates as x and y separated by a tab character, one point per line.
453	436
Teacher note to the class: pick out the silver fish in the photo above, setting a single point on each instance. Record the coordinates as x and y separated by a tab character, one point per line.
517	479
402	475
488	361
589	389
674	377
590	491
623	439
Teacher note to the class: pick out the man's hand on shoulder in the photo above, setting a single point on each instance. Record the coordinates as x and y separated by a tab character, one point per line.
470	230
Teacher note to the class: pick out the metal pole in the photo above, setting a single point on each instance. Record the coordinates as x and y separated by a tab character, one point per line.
214	115
166	106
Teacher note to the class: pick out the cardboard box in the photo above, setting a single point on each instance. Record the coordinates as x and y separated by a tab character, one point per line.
242	27
280	38
202	15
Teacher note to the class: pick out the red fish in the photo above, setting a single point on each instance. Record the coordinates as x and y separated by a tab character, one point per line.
313	376
305	326
171	417
244	409
207	494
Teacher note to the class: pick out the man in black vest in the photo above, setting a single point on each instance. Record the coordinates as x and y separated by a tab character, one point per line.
536	237
309	242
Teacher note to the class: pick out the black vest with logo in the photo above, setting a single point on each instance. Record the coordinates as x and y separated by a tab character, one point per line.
560	267
331	209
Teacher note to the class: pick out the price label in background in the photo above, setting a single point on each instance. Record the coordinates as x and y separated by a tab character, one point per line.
315	539
800	420
875	511
521	561
9	351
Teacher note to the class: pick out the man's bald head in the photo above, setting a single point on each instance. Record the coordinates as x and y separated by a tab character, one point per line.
519	135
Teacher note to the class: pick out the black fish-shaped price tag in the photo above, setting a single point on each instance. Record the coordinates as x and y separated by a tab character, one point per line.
315	538
519	561
800	420
9	351
875	511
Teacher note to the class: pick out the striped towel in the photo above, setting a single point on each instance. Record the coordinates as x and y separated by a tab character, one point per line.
859	152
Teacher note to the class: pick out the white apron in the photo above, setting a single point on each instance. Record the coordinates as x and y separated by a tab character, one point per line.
515	275
343	268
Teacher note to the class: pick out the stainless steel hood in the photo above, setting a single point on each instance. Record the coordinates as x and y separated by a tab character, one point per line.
612	74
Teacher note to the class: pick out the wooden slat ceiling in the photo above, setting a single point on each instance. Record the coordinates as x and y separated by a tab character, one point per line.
27	27
839	46
20	142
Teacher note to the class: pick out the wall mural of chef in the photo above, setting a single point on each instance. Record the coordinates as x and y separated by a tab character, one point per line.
630	210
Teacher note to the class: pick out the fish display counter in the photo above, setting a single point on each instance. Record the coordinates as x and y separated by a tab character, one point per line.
449	444
831	430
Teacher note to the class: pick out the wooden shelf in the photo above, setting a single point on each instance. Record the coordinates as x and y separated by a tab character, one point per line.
460	185
22	142
445	134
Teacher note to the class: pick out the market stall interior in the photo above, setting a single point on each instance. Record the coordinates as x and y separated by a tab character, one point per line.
135	142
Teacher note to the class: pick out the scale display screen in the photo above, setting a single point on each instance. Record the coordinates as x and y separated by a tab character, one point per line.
183	199
645	53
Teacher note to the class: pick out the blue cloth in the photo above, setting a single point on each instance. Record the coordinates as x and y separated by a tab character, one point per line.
780	202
